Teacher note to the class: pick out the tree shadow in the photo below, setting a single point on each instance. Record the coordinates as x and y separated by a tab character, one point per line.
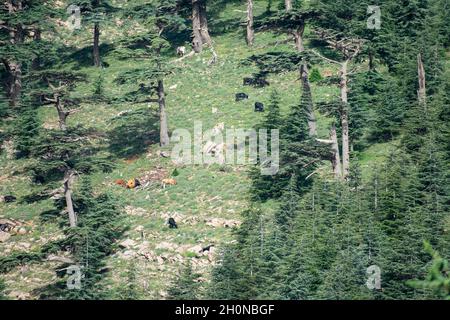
133	132
84	57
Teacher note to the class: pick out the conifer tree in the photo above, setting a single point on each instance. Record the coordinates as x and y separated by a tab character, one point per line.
186	286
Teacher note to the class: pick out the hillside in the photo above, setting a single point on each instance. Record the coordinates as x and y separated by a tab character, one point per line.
207	201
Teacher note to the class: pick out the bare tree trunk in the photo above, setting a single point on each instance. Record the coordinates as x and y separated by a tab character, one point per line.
336	161
163	127
96	51
304	77
197	43
62	115
250	31
298	36
421	93
288	5
344	120
68	178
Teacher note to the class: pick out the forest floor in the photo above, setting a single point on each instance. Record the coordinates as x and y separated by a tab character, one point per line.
207	200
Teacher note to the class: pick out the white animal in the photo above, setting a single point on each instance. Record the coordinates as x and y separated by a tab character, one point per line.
181	51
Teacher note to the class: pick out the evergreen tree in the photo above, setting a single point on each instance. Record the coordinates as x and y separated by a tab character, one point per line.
186	286
2	290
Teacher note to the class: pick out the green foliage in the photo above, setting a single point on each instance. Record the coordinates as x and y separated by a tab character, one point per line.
186	286
437	279
315	75
26	130
92	241
2	290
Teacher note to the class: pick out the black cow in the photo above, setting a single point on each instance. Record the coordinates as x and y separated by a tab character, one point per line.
9	199
172	223
5	227
249	81
256	82
207	248
241	96
259	107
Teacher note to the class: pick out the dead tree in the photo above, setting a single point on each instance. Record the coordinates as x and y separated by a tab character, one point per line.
349	49
68	180
59	95
421	92
163	126
250	30
288	5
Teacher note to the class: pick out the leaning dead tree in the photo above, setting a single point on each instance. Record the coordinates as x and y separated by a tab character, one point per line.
348	48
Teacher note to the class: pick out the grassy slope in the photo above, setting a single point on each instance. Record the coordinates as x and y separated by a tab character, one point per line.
202	191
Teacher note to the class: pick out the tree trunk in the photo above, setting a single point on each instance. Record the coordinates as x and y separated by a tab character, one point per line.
96	51
344	120
197	43
68	178
298	36
371	62
14	82
421	93
336	161
306	87
14	68
36	37
250	31
163	126
62	115
204	31
288	5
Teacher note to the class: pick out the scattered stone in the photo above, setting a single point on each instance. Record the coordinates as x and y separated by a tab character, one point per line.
128	243
4	236
53	257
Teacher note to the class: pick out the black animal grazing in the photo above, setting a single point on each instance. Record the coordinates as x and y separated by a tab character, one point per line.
248	81
241	96
261	82
9	199
207	248
5	227
256	82
259	107
172	223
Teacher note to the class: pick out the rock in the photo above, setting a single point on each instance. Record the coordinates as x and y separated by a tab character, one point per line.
128	243
20	295
164	154
196	249
53	257
22	231
139	228
4	236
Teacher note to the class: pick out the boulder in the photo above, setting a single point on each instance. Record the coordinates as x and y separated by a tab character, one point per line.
4	236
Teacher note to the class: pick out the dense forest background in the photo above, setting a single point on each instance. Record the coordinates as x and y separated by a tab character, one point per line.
91	91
